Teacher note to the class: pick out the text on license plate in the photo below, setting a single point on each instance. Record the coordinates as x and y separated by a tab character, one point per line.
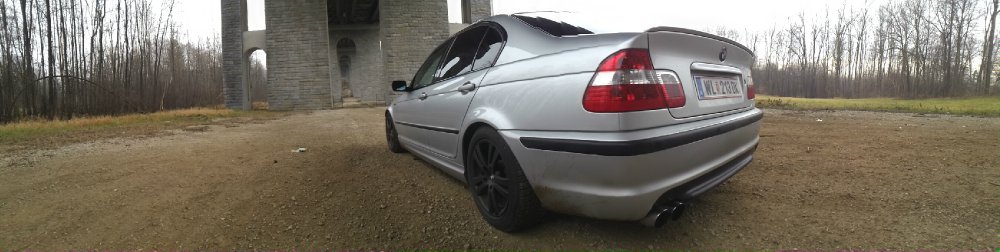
717	87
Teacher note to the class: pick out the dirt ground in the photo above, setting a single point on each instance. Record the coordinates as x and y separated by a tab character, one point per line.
858	180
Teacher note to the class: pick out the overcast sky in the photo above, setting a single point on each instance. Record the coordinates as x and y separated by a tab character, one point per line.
202	17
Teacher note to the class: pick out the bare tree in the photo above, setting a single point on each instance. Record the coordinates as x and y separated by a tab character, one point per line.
989	45
909	48
68	58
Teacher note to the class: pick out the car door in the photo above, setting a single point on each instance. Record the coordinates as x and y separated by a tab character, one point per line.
447	99
408	112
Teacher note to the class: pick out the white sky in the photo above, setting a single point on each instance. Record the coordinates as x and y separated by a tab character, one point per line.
202	17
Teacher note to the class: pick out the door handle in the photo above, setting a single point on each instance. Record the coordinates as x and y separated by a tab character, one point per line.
423	96
467	87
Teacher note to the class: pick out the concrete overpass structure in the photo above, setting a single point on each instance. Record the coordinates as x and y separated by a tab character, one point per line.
321	53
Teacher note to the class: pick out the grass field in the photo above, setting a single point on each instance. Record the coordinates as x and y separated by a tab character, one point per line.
42	133
975	106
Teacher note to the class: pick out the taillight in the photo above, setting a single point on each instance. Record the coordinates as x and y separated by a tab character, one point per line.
626	81
751	91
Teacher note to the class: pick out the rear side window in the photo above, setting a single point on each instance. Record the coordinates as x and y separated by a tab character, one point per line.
551	25
463	51
488	49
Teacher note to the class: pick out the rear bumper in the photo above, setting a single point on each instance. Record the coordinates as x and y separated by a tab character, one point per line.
622	175
637	147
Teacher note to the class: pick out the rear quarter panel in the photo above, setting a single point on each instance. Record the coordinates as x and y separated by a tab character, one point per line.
538	80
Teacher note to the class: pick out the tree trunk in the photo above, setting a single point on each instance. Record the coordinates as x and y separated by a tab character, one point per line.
989	42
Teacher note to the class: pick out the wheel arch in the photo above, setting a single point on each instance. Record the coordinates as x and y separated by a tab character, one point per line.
467	136
478	116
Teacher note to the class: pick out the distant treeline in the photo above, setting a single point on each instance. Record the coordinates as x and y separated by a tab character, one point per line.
66	58
61	59
903	48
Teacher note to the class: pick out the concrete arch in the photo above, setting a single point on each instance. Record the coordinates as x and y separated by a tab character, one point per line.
346	44
252	42
248	88
346	52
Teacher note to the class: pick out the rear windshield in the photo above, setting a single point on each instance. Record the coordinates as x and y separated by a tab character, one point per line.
561	23
557	24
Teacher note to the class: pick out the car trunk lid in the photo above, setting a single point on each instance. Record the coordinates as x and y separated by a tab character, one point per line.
713	70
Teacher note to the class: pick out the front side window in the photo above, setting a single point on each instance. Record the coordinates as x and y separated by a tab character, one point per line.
462	53
425	76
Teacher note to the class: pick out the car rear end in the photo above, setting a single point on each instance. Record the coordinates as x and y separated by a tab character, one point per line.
686	122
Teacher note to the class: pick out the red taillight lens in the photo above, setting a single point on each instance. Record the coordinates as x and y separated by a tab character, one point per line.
623	98
751	91
627	59
626	81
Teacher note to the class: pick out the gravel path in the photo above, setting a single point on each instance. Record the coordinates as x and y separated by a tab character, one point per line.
853	180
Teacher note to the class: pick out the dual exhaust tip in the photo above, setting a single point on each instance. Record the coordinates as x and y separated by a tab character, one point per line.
660	214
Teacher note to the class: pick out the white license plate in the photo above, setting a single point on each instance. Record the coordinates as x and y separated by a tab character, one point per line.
718	87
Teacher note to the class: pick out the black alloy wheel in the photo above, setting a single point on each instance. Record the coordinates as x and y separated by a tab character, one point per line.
490	184
391	136
502	193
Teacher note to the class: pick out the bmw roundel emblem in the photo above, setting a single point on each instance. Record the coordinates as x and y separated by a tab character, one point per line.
722	55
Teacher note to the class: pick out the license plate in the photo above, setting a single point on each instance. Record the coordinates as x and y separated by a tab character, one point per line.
717	87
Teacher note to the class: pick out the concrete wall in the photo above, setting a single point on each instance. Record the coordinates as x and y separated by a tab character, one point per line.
298	58
234	23
456	27
410	30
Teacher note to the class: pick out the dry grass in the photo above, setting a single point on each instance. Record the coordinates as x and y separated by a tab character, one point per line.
100	121
976	106
39	133
259	105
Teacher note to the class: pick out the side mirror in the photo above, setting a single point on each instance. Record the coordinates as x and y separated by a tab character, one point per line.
400	86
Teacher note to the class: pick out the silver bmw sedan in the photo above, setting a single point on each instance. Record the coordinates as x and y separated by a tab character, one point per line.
537	115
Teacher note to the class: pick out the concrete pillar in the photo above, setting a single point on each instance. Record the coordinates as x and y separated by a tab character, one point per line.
252	41
474	10
234	23
298	55
410	31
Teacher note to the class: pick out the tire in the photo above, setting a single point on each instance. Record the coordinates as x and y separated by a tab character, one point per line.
391	136
498	185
